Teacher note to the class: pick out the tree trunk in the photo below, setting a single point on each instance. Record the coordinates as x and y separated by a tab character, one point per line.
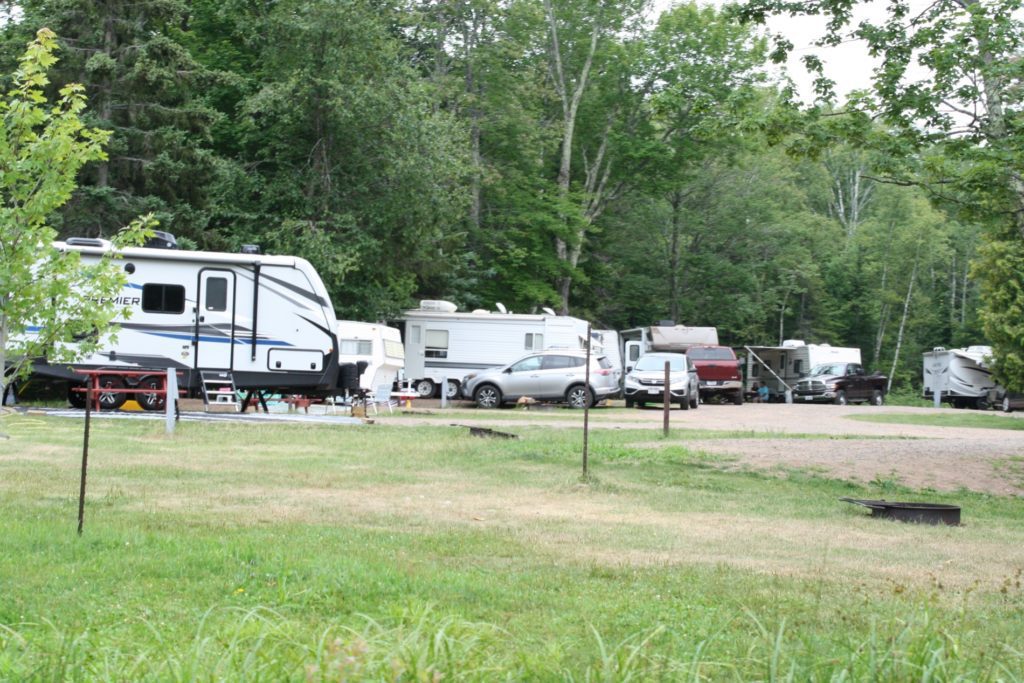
903	324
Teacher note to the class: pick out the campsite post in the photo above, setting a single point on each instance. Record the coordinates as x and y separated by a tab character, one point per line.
667	398
586	403
171	399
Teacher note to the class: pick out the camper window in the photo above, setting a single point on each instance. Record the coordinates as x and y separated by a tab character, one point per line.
436	344
216	294
356	347
534	341
393	349
163	298
797	366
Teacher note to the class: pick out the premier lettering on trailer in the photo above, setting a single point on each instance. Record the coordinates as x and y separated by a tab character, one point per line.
118	300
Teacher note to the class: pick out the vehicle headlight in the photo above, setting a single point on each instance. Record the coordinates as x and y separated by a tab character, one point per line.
831	386
631	380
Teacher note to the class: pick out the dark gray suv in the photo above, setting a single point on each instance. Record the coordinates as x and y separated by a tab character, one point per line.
552	375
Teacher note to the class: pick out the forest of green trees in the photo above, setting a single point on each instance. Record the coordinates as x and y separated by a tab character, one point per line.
589	155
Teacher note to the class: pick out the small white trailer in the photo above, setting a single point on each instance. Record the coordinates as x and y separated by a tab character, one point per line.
378	346
779	367
444	344
245	321
663	338
960	376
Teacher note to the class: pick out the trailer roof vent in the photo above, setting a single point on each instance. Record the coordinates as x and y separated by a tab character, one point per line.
250	249
793	343
437	305
161	240
86	242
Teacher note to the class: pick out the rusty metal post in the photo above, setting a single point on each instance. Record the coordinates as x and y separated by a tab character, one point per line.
586	405
666	398
85	455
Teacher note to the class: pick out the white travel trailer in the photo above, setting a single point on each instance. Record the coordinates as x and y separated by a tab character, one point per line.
246	320
608	343
664	338
443	343
779	367
376	345
961	376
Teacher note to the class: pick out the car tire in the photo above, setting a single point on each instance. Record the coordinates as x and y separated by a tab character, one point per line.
696	402
579	396
737	398
487	396
629	403
425	388
685	403
1006	406
641	404
877	398
840	399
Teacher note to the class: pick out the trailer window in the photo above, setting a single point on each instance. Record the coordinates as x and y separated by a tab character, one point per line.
216	294
534	341
797	366
163	298
436	344
355	347
393	349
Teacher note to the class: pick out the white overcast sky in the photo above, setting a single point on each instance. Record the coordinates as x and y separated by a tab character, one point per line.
848	64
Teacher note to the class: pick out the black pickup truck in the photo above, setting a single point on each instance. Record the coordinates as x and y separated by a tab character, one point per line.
840	383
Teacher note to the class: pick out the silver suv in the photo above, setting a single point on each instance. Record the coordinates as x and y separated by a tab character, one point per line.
552	375
646	382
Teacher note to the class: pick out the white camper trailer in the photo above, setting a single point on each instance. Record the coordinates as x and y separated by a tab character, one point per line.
779	367
444	343
608	343
664	338
246	321
961	376
376	345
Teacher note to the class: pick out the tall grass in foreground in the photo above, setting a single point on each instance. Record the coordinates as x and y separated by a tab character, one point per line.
422	645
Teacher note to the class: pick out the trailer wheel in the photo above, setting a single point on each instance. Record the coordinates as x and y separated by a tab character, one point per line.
841	399
877	398
151	401
452	390
579	396
487	396
425	388
110	397
76	398
1007	407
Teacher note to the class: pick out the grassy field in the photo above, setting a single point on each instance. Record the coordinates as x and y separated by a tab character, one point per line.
951	418
286	552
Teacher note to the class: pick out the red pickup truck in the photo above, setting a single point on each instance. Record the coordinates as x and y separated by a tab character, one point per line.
718	371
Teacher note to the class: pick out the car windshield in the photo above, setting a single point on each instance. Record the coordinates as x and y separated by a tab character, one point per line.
649	363
711	353
829	369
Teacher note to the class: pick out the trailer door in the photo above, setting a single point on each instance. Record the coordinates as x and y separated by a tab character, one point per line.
215	319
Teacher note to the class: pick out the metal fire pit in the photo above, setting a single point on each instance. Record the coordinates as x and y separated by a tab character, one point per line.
921	513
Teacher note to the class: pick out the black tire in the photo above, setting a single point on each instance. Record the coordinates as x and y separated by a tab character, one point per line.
110	396
579	396
76	398
696	402
982	403
425	388
152	401
487	396
685	403
877	398
840	399
737	398
629	403
453	389
1006	406
641	404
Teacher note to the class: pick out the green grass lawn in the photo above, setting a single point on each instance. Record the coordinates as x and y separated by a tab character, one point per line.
287	552
952	418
